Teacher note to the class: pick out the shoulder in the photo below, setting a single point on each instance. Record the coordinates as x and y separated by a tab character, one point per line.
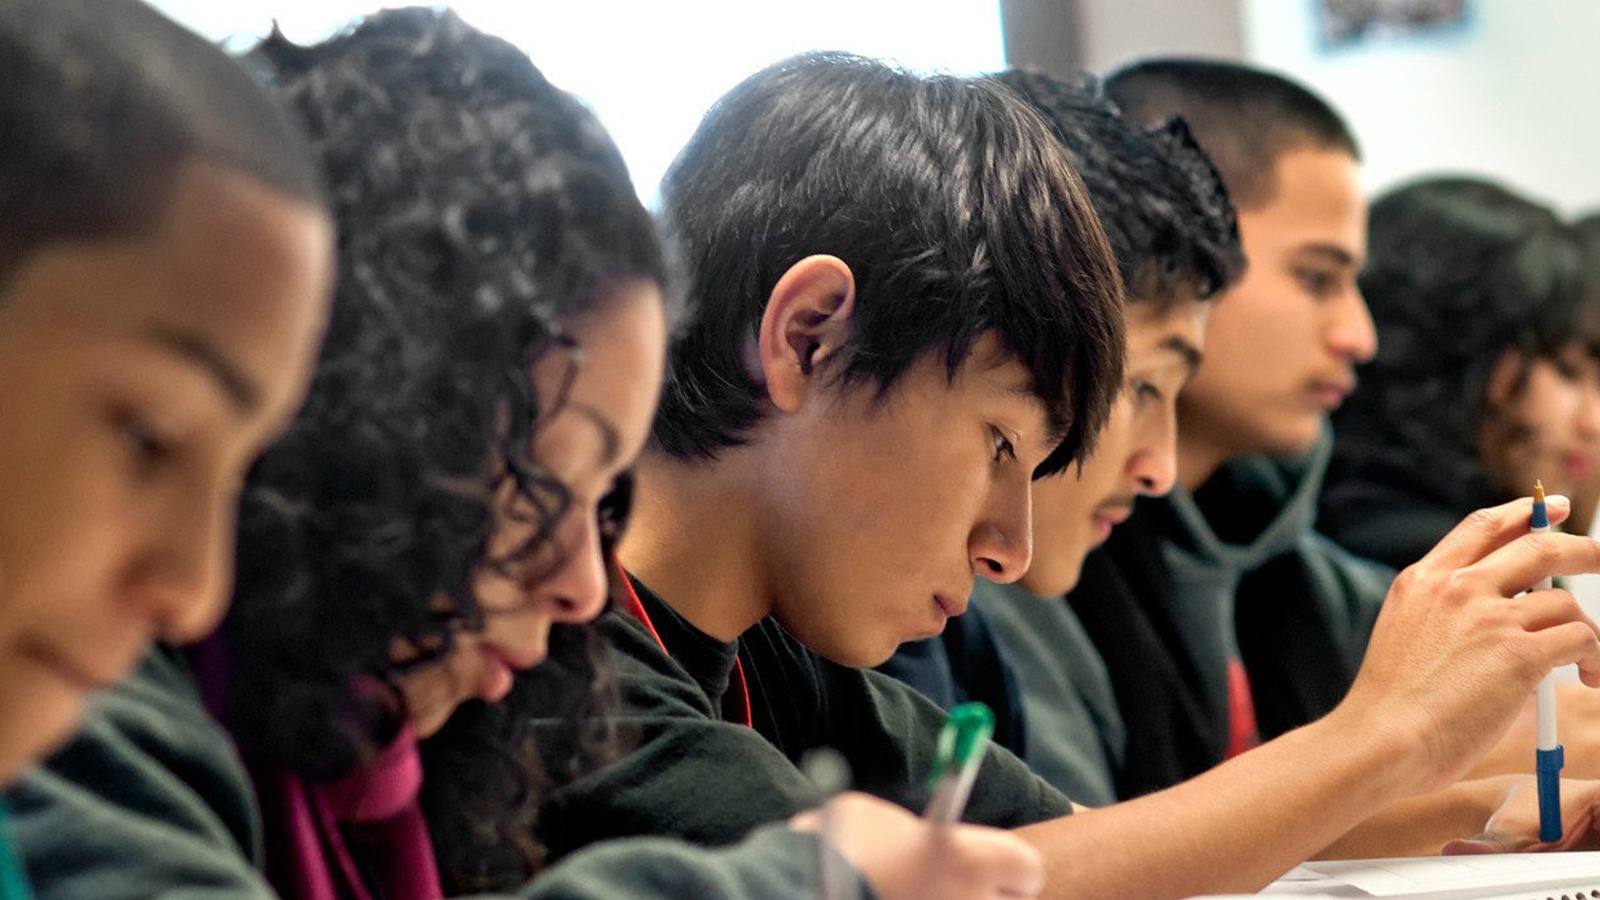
148	797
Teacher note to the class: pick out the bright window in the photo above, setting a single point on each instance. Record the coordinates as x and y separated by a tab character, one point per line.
651	67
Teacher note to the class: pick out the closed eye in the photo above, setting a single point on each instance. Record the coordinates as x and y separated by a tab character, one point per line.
1145	390
149	448
1004	448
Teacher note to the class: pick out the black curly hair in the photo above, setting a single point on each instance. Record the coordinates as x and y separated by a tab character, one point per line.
103	102
478	208
1159	199
1461	270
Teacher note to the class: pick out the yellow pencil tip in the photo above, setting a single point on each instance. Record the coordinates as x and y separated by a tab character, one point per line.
1538	491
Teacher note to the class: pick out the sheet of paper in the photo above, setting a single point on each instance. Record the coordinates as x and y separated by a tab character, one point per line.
1435	874
1531	876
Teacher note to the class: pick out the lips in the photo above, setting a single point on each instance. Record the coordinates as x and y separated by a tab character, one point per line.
1331	394
1108	517
951	608
1577	464
499	670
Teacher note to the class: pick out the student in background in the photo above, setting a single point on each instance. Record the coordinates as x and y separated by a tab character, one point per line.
432	520
1171	228
1489	373
1222	616
900	309
165	258
1586	497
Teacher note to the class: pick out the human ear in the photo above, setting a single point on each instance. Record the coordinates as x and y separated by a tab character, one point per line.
806	323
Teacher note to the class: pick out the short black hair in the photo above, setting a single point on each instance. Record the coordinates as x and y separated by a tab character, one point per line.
480	210
102	102
1161	202
949	199
1461	270
1244	117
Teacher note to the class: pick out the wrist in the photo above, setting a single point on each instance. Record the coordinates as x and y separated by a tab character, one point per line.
1399	753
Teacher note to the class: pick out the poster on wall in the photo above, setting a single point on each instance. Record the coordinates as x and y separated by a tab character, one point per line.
1350	24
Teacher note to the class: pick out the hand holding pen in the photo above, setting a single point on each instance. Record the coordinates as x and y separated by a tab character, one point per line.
1548	752
908	858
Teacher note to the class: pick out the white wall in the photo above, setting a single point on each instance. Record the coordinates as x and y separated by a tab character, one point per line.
651	68
1515	96
1119	31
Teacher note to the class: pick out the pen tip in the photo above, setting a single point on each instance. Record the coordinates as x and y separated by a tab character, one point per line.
1538	491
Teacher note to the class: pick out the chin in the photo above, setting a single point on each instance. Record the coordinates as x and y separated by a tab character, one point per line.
1292	444
857	656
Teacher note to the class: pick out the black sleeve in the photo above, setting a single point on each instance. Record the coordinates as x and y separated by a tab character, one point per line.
689	774
695	776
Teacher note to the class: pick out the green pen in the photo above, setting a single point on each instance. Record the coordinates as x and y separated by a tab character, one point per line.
962	743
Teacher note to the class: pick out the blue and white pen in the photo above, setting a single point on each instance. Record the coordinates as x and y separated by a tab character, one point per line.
1548	755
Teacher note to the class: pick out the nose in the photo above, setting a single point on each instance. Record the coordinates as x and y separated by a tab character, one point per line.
187	571
1153	465
1000	545
1350	331
576	591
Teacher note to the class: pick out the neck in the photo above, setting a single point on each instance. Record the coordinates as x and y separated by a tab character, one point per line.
693	540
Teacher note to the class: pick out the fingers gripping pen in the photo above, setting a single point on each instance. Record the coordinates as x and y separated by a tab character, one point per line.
1548	755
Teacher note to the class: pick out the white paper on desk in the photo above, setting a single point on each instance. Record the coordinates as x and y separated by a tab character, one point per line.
1512	876
1427	875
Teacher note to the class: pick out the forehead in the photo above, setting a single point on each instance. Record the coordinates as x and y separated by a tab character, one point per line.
230	267
1155	330
1316	201
998	375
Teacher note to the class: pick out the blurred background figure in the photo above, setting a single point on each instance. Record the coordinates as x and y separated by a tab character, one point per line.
1487	374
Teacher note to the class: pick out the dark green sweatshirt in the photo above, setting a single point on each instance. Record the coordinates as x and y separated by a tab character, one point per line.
699	774
151	801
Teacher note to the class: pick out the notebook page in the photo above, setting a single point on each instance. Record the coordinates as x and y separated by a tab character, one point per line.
1554	876
1421	876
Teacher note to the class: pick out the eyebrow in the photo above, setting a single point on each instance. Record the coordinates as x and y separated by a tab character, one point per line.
610	441
243	394
1056	428
1332	253
1188	352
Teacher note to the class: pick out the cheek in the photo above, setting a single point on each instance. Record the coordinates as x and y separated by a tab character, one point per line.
1549	405
65	528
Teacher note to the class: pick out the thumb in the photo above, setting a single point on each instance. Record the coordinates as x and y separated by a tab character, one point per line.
1488	842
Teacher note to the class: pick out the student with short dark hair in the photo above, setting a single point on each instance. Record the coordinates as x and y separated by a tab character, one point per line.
836	504
1223	617
837	287
1488	376
165	258
1019	647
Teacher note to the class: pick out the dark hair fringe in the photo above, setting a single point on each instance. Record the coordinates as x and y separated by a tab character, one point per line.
478	207
950	201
